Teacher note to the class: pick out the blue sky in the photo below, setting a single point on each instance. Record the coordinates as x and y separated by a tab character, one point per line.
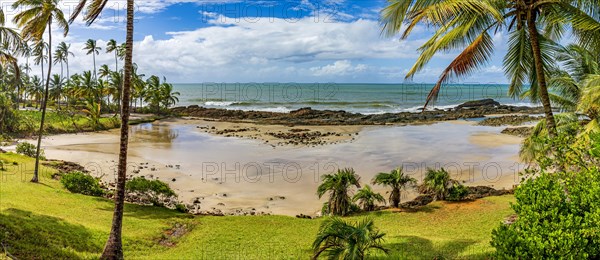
266	41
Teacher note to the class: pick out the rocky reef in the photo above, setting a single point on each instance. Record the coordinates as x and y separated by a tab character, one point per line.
309	116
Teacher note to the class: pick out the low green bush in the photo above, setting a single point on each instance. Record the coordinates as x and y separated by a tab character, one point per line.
26	149
149	191
458	192
78	182
557	209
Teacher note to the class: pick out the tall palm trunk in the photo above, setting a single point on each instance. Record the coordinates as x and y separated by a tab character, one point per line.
60	86
114	246
116	61
42	63
44	105
94	57
541	75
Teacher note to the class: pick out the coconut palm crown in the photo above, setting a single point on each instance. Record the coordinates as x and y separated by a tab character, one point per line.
397	180
339	186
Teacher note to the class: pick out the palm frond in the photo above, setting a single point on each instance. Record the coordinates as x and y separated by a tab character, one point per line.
472	57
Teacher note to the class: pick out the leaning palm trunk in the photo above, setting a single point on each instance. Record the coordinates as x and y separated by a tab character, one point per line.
114	246
44	105
541	75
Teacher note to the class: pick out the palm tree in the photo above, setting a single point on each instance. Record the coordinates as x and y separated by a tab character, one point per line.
11	46
338	239
104	71
139	86
338	186
367	198
169	97
112	46
397	180
115	81
93	111
36	90
40	52
470	24
573	91
59	57
437	183
114	245
63	48
56	82
160	95
34	20
92	48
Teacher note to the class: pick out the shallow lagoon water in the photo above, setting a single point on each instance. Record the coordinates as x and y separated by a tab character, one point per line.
244	173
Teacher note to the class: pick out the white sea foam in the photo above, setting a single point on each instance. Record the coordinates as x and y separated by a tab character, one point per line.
218	103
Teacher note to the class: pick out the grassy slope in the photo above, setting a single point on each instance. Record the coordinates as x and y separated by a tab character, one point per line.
46	221
63	123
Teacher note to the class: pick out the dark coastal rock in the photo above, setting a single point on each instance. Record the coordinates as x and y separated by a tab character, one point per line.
479	103
309	116
418	201
64	166
2	151
513	120
518	131
478	192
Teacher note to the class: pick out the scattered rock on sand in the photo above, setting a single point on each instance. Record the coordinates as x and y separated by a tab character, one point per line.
524	131
514	120
64	166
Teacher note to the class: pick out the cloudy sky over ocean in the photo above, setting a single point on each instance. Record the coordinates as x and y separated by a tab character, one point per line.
264	41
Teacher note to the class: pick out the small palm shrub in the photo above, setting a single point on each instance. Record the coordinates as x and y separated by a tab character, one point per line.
338	239
339	186
78	182
437	183
367	198
396	180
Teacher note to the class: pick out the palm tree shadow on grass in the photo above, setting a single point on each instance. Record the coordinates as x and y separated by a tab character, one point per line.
426	209
31	236
416	247
142	212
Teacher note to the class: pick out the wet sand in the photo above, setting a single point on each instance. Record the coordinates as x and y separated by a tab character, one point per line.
246	173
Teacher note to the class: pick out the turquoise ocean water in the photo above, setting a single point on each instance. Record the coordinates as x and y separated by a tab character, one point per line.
359	98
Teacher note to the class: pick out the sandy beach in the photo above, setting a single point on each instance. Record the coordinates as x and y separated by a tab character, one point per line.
251	171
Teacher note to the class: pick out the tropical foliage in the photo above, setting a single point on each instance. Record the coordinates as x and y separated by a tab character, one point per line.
437	183
367	198
396	180
534	28
557	214
339	186
338	239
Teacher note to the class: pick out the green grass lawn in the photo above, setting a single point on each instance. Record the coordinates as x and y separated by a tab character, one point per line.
44	221
63	122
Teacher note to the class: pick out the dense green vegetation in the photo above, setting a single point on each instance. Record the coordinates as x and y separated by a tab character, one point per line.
558	215
534	29
68	225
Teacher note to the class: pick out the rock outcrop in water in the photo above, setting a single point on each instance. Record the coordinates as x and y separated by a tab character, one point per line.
309	116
